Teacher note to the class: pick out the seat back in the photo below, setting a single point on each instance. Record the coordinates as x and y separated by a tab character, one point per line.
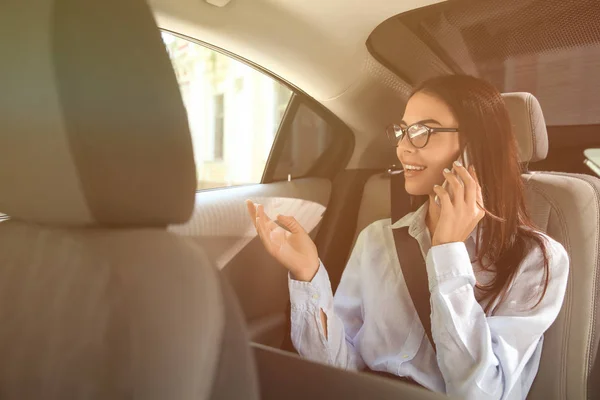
286	376
566	207
97	299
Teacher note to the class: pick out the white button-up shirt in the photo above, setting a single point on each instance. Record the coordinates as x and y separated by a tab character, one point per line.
372	322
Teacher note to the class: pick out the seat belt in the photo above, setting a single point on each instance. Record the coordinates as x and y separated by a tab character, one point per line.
409	255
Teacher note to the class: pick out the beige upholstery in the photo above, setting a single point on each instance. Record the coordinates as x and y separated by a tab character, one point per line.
97	299
528	122
81	104
567	207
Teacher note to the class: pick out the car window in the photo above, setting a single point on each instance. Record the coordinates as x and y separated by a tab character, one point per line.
234	113
308	139
548	48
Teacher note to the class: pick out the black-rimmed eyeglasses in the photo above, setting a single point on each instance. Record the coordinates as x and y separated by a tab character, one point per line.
418	134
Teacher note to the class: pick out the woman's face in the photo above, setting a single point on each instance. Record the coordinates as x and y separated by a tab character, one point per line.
440	152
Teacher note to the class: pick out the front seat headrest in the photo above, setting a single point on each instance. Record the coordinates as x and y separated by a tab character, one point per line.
529	125
94	131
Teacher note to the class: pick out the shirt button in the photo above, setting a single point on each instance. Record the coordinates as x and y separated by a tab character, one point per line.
405	356
315	296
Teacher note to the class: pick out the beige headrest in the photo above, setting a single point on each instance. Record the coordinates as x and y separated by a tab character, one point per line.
529	125
94	131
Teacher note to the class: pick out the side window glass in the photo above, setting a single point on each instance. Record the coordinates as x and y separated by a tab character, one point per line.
309	137
234	113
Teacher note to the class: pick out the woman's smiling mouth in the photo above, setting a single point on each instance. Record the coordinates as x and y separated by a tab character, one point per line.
412	170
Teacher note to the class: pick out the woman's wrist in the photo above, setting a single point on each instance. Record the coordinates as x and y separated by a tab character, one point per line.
306	274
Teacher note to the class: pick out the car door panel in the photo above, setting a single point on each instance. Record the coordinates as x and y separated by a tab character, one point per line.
220	225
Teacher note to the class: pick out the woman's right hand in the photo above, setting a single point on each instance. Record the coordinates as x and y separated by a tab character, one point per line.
293	248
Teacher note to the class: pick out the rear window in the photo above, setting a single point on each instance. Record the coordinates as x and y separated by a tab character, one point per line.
550	48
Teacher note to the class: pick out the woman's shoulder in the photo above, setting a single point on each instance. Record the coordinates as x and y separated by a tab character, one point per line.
553	250
552	246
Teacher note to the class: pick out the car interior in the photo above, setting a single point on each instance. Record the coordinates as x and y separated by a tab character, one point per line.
129	267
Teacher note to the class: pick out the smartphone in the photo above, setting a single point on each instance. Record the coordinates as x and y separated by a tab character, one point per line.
464	160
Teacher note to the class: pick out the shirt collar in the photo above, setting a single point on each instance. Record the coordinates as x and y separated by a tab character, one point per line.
415	221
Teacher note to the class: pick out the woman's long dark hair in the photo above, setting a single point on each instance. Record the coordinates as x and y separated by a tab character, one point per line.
486	131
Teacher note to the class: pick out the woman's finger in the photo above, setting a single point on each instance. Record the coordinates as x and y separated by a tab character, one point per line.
445	202
290	223
455	187
264	223
251	211
269	224
272	225
265	235
260	213
470	185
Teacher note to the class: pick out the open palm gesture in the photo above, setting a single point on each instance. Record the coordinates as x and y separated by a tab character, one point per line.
291	246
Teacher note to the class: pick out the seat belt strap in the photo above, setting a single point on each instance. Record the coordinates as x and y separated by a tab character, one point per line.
410	257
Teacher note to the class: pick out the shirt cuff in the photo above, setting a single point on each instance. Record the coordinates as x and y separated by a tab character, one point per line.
449	261
309	295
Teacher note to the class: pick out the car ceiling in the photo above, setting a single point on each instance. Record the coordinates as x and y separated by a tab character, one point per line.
318	46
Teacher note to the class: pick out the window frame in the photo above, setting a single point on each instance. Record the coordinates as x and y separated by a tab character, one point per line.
329	162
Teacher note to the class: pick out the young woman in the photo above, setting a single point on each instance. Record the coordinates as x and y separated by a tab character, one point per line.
496	283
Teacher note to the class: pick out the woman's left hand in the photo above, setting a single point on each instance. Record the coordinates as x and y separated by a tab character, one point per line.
460	214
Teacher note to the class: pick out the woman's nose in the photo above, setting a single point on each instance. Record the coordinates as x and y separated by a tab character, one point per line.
404	146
